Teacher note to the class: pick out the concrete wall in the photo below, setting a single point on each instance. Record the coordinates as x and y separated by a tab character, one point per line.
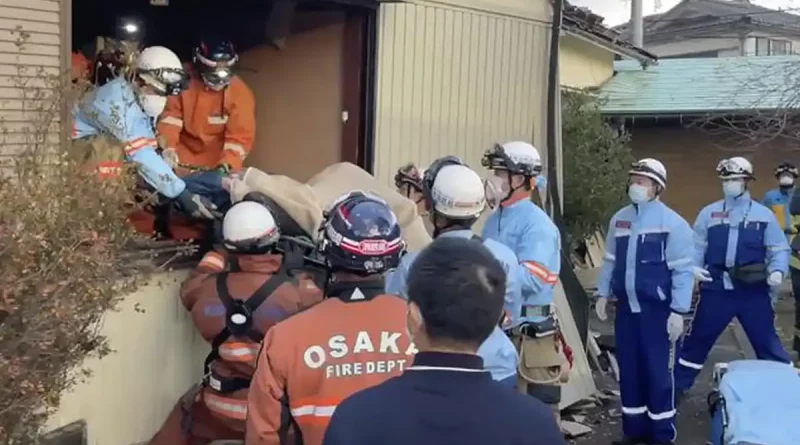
157	356
582	64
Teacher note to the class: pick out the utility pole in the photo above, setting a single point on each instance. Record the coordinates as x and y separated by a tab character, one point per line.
637	25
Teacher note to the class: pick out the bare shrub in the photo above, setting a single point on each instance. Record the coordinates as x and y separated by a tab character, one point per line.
65	258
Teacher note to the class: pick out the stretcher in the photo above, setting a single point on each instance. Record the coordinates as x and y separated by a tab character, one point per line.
304	203
755	402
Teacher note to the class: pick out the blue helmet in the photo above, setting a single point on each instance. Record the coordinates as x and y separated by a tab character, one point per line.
360	234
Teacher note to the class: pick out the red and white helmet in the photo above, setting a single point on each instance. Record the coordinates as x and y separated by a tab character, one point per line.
650	168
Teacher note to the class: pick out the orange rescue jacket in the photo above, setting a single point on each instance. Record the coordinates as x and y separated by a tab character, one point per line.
231	364
210	128
311	362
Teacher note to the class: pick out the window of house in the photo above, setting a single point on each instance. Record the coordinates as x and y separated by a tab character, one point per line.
762	46
780	47
772	47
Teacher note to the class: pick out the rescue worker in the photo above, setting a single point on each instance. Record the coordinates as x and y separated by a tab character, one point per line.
80	67
740	253
456	289
408	181
211	125
115	122
234	296
455	198
647	268
353	340
527	230
778	199
794	268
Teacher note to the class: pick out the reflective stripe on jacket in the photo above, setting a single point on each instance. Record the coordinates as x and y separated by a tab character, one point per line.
316	359
208	128
237	355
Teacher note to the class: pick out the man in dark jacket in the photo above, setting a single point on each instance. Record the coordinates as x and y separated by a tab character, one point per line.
455	290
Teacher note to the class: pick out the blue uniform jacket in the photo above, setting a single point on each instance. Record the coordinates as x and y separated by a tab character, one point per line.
113	110
738	232
778	201
442	400
648	258
498	353
527	230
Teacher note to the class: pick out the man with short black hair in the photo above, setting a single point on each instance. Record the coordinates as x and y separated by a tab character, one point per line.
455	289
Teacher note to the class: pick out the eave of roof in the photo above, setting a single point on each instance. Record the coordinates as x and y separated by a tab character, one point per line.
588	26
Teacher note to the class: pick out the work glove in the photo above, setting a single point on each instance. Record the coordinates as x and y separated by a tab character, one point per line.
197	206
674	326
702	275
222	170
775	279
600	308
170	157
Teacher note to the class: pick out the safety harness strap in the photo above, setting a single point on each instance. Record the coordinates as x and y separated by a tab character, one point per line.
239	322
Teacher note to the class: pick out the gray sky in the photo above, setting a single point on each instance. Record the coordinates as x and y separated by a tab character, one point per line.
618	11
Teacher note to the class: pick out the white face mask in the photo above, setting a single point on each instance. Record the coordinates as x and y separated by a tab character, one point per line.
732	189
638	193
152	104
496	189
786	181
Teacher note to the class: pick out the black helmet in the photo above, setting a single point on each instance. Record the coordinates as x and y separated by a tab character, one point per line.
408	174
360	234
214	60
430	177
786	167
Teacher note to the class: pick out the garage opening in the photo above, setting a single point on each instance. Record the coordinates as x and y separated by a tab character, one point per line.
309	64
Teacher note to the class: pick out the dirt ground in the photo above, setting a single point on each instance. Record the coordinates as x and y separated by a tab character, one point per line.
693	416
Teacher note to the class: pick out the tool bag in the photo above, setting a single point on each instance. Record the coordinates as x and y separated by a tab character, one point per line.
756	402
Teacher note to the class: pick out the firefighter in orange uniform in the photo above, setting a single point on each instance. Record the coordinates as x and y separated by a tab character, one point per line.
233	299
211	125
353	340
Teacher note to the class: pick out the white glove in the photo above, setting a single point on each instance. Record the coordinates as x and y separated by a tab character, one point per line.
702	275
674	326
775	279
600	308
170	157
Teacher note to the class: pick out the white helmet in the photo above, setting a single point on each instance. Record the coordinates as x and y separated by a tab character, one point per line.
160	68
458	192
735	168
517	157
650	168
249	226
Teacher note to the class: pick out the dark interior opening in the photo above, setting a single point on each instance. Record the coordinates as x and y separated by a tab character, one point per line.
309	64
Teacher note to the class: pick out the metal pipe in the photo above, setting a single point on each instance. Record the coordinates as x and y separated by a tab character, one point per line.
637	23
553	112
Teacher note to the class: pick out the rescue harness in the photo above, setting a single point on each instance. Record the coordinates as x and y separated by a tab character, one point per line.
239	314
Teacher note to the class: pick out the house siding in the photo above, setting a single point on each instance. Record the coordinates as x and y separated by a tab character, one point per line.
454	80
31	59
583	64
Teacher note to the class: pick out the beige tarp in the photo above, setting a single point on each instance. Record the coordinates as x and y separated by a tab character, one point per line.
305	203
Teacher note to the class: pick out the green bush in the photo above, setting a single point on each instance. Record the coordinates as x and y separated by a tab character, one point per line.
596	162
